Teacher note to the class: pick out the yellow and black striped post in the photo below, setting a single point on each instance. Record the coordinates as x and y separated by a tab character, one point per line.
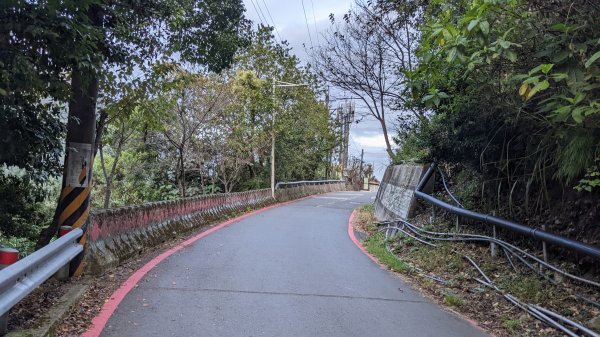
74	202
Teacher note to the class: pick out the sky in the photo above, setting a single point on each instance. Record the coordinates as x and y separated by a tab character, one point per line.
303	32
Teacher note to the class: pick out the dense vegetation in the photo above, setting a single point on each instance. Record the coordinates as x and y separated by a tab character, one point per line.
183	96
512	92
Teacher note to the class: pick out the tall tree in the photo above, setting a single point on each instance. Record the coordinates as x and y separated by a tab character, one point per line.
367	54
196	100
90	39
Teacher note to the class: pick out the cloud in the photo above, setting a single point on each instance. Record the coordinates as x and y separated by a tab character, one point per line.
374	141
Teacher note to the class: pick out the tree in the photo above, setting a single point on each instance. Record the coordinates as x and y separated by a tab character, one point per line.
196	101
213	130
367	55
90	39
512	87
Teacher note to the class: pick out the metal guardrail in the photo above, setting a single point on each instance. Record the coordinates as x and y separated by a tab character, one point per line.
535	233
307	182
24	276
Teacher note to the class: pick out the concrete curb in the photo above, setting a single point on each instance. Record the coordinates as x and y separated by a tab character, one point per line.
52	318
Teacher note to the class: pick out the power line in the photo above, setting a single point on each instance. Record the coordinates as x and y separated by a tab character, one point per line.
306	20
260	18
314	19
272	21
261	12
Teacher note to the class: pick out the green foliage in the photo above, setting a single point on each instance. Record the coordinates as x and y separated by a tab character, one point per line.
512	89
411	148
453	300
529	289
467	187
375	245
591	179
49	49
369	208
512	325
179	133
25	209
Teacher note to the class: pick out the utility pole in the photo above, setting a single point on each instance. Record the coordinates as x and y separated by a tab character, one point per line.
273	145
347	117
329	166
275	84
360	170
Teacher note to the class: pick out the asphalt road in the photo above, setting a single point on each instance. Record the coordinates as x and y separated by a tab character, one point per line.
288	271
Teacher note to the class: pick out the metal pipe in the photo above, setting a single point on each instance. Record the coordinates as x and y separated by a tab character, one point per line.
511	248
568	321
534	233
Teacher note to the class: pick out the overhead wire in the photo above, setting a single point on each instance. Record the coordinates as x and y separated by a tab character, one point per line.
306	20
260	18
312	4
272	21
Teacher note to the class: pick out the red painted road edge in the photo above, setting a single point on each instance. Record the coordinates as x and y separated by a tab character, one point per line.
355	240
360	246
109	307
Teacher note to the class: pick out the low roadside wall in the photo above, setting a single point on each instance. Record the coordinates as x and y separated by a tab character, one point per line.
285	193
117	234
395	197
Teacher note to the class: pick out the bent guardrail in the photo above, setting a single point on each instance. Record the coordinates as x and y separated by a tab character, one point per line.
534	233
24	276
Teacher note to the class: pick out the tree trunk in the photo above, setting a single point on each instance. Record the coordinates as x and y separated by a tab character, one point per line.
388	146
104	172
74	202
107	193
113	170
181	173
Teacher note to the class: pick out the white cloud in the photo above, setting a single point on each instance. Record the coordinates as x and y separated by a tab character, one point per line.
374	141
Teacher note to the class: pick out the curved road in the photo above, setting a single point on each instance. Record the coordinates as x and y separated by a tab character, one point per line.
287	271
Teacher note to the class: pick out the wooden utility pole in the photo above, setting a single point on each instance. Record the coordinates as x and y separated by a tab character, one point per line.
360	170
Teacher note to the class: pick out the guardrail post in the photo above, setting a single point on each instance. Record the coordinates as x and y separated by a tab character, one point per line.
63	273
544	250
493	246
4	324
456	220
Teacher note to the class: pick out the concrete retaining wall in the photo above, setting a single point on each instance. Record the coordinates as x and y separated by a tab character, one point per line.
115	235
395	197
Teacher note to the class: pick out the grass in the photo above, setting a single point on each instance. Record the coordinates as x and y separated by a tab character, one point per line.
369	208
512	325
453	300
365	218
437	259
528	288
375	245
